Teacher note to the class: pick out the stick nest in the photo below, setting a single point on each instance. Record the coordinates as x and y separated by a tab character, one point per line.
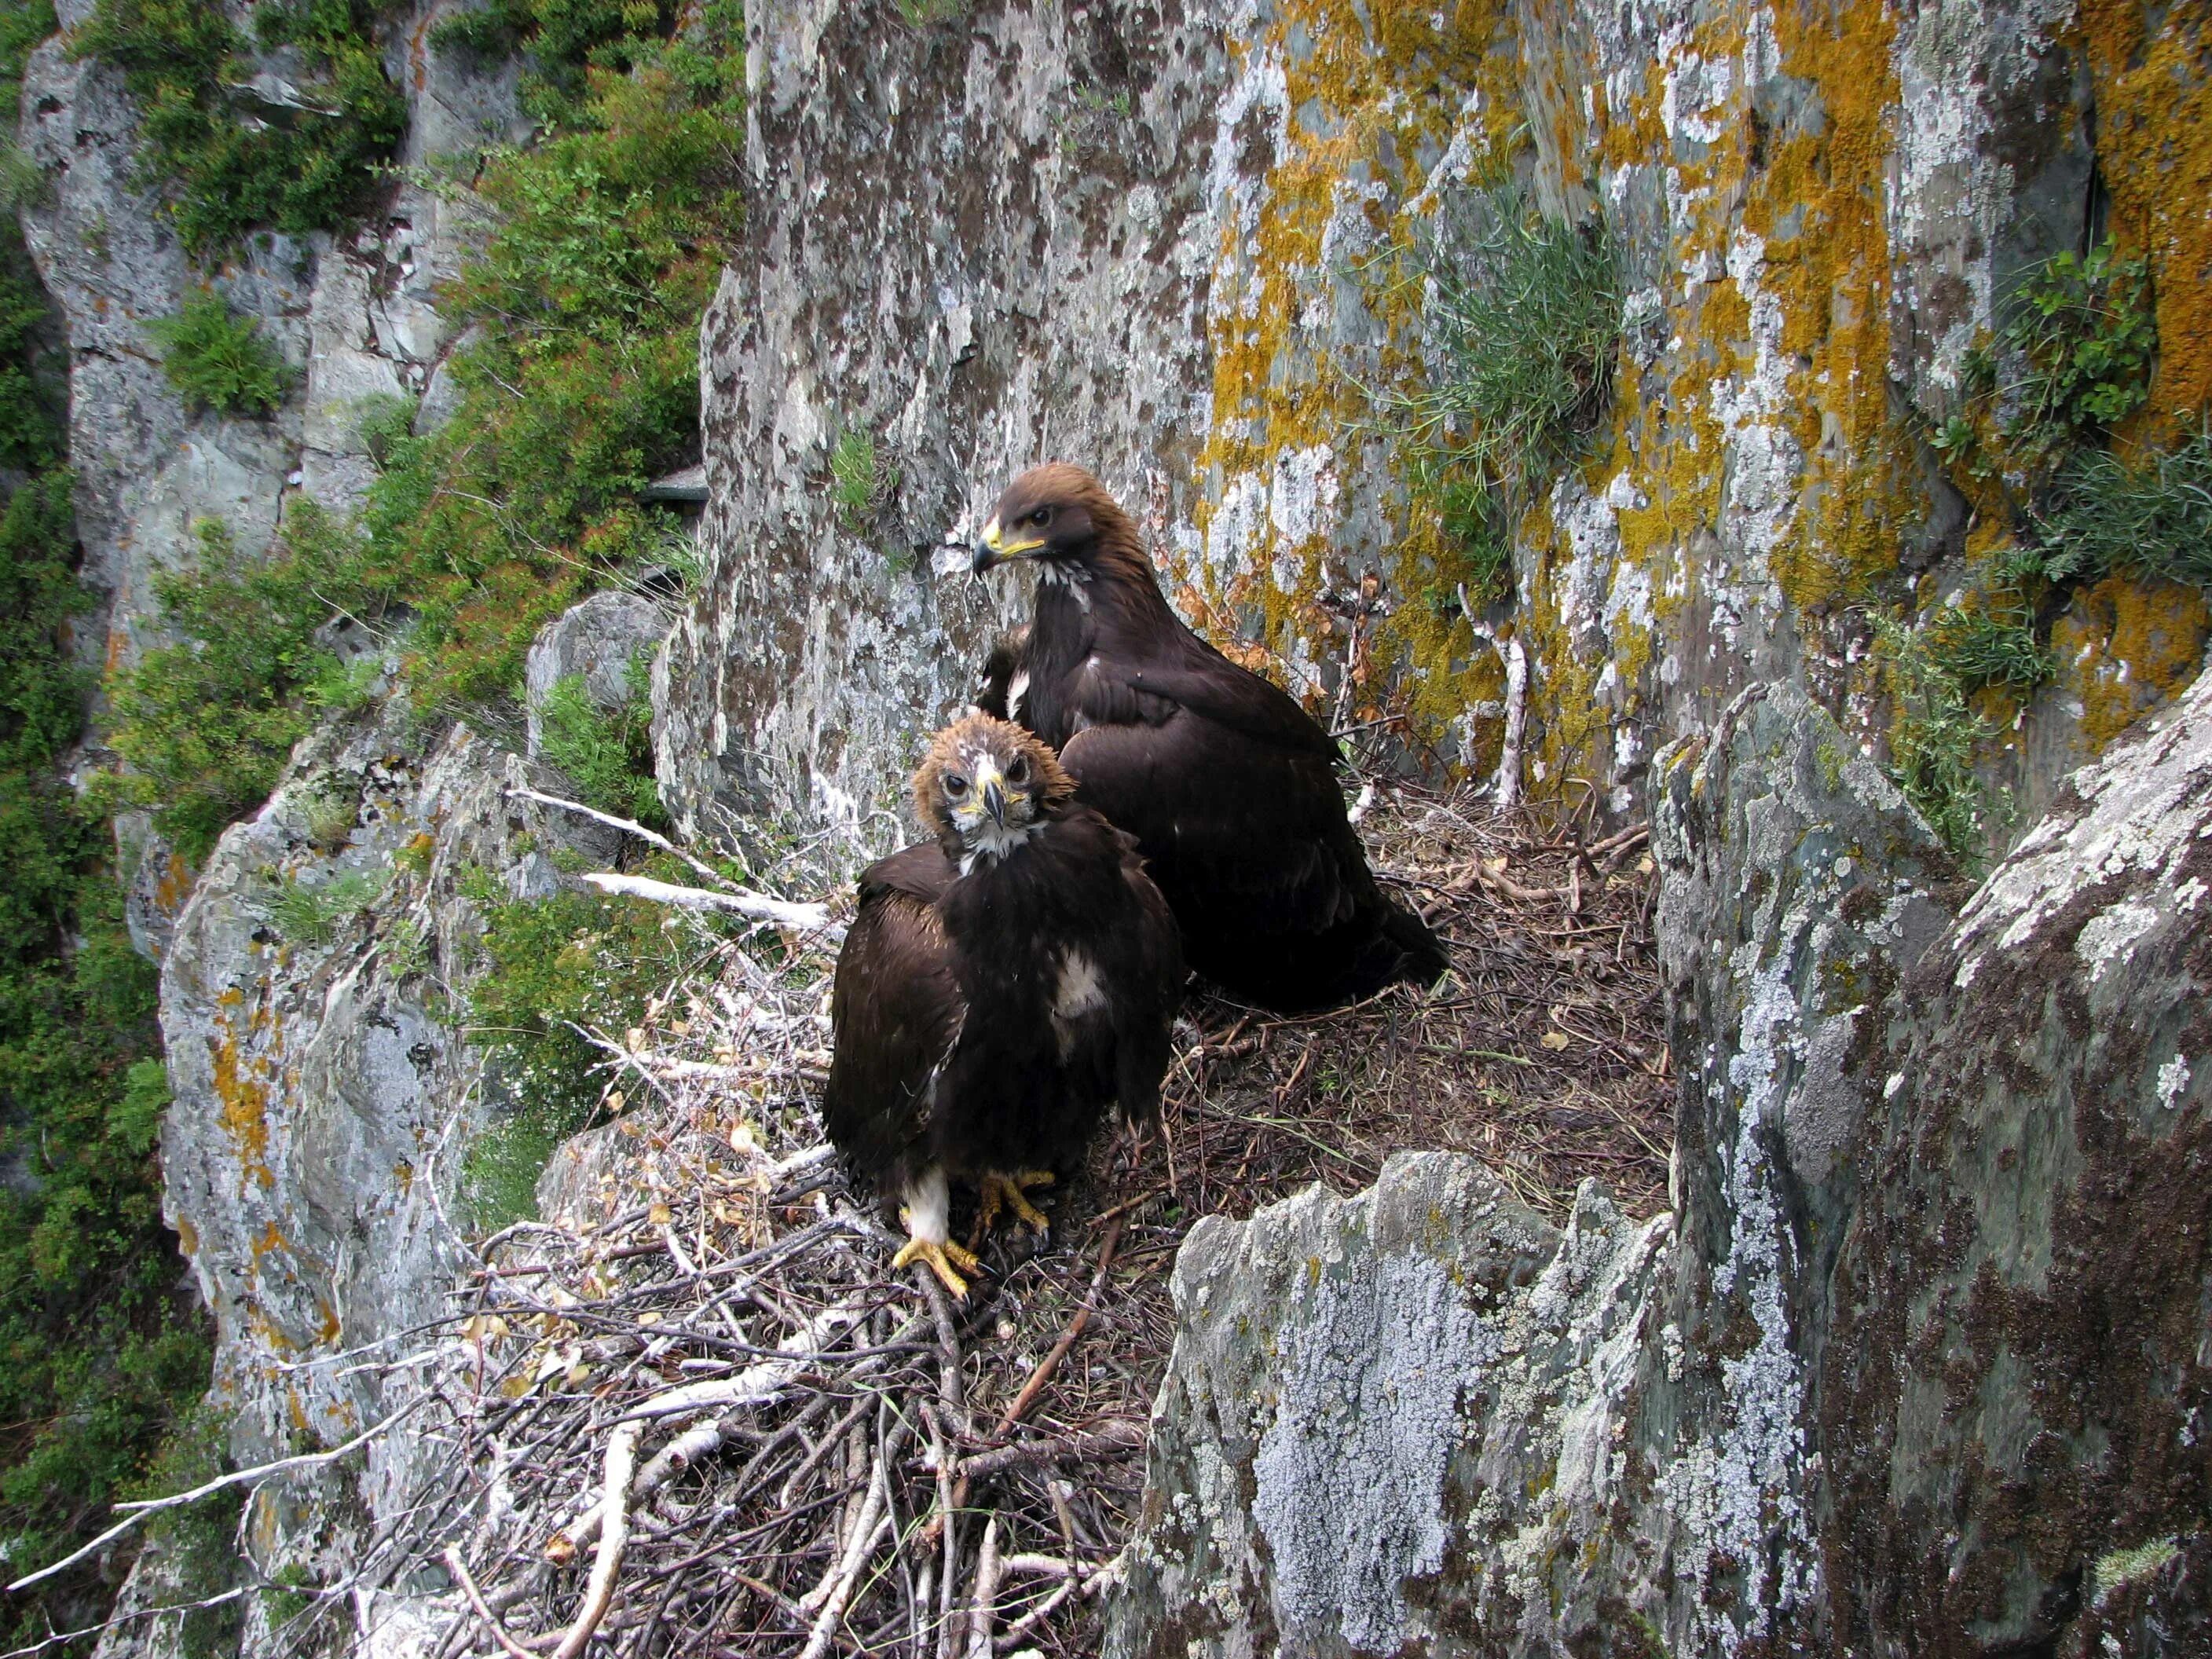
693	1412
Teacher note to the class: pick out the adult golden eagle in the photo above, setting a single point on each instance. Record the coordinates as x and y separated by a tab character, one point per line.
1001	987
1228	786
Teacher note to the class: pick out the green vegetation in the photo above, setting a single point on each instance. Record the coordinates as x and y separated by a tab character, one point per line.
2153	518
859	484
2075	347
312	913
568	45
927	14
98	1347
1989	640
574	959
1934	736
237	159
606	754
202	1538
221	361
206	725
582	388
1523	315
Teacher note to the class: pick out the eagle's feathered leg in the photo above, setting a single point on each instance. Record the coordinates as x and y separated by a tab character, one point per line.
924	1215
1009	1192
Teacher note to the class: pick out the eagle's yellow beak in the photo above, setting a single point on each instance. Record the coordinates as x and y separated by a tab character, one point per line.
993	548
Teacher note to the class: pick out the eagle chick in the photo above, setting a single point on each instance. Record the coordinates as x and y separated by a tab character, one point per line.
1228	786
1001	987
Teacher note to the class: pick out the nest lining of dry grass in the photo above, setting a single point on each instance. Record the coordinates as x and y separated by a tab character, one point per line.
693	1412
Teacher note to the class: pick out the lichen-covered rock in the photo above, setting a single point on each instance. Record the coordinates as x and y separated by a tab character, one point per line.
1165	242
326	1093
604	640
1918	1365
990	247
2020	1360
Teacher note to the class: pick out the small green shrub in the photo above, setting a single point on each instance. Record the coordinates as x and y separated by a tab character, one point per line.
233	163
859	482
927	14
221	361
572	957
1523	316
202	1537
606	753
2084	336
2153	518
1988	641
1934	739
206	725
313	914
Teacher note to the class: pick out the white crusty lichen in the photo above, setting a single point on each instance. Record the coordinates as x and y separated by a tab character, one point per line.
1350	1473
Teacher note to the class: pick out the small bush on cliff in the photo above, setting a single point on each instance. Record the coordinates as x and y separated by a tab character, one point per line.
236	152
606	753
575	958
219	361
206	725
1935	735
1523	316
2151	516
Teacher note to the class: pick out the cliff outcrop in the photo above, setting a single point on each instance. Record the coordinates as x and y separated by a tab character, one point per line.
1913	1366
1936	1165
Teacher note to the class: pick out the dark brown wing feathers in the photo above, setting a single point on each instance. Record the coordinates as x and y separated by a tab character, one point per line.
955	1047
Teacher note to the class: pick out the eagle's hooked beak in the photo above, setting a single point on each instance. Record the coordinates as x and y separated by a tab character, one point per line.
994	803
993	548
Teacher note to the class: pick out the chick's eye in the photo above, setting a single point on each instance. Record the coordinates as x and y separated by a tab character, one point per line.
955	784
1019	771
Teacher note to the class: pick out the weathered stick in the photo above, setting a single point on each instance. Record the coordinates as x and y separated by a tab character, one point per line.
614	1533
782	912
139	1508
459	1569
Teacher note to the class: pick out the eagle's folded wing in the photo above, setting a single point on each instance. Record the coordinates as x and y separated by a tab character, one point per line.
898	1011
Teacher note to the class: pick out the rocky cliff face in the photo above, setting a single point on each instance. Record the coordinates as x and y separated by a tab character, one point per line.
1916	1364
1150	237
1157	241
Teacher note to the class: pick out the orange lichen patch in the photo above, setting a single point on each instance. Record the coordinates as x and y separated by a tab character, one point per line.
175	885
188	1236
2154	93
245	1109
1373	93
2124	645
1820	210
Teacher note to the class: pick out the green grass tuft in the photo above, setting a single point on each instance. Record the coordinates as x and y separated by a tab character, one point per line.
2151	519
606	753
306	914
1934	739
1988	641
219	361
1523	314
861	483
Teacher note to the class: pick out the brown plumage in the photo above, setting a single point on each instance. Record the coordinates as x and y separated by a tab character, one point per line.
1230	788
1003	985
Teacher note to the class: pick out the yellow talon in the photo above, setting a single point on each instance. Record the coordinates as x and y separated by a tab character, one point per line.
1006	1192
946	1260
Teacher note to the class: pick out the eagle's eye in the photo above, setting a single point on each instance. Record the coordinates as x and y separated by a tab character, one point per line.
955	785
1019	770
1041	517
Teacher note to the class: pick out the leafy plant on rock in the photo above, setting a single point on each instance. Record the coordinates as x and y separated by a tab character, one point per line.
220	361
1523	319
239	150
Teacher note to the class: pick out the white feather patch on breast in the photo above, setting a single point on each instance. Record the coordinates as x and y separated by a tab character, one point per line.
1016	689
1077	993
